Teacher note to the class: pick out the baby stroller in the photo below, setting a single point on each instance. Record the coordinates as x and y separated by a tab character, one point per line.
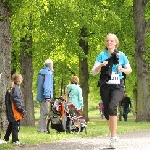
65	117
75	120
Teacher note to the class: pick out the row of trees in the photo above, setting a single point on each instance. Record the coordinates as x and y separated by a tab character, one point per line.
72	34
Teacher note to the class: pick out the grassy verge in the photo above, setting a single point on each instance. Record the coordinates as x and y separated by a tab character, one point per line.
30	136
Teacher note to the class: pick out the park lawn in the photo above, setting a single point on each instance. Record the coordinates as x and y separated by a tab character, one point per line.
30	136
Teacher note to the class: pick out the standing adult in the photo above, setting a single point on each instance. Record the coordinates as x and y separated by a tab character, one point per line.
111	63
44	92
126	106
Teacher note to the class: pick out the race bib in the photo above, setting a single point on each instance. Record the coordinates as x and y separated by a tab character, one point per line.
114	79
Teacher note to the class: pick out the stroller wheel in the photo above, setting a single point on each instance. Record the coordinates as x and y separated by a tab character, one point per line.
69	127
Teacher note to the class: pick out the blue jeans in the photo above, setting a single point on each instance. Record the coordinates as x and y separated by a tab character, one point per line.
125	112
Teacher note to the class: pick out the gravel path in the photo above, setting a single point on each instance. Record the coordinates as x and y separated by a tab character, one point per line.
139	140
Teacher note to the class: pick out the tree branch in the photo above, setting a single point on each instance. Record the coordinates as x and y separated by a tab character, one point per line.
147	25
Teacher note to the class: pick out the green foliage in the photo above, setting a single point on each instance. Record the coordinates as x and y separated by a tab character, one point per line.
55	30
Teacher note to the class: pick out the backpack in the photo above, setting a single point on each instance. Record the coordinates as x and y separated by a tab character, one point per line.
106	71
8	104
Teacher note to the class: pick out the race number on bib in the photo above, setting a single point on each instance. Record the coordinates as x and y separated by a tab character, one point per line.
114	79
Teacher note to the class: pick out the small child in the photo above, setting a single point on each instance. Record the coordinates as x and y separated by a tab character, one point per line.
14	109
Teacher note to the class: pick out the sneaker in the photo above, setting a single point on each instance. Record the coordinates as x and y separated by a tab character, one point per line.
2	141
113	142
19	143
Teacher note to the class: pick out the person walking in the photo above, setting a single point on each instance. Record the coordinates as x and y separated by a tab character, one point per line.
111	63
14	109
126	106
44	92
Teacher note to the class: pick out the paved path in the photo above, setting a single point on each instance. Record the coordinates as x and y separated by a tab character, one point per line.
139	140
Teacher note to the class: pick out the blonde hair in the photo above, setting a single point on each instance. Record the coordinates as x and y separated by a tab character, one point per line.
16	78
75	80
115	38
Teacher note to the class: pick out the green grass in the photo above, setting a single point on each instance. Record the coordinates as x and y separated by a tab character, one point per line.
30	136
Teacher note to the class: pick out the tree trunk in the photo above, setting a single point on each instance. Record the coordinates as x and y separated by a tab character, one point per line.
5	62
135	100
143	103
83	72
26	86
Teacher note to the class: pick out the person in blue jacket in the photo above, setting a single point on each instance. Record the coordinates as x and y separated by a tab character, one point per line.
74	92
111	64
44	92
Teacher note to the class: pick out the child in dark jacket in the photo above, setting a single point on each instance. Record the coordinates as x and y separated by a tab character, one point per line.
14	109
